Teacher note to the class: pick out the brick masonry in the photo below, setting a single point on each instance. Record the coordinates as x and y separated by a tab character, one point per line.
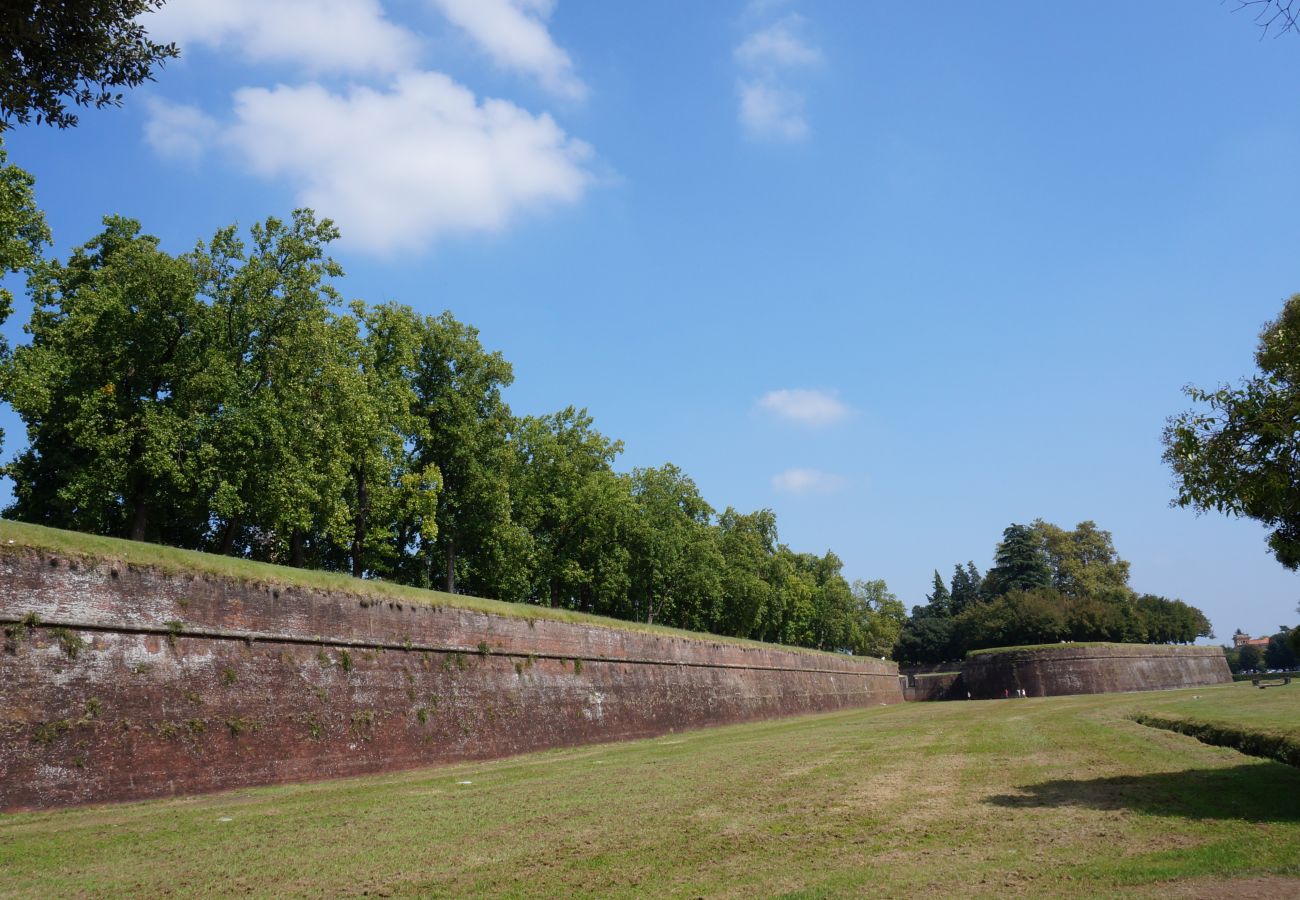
132	683
1099	669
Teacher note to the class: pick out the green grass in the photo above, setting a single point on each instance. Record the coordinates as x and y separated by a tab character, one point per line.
17	535
1267	726
1044	796
1023	647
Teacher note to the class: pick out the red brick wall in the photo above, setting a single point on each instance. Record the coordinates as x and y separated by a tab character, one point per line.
1114	668
136	683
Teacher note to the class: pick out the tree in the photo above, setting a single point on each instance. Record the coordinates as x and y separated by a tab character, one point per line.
1277	16
1240	454
1278	654
1249	658
759	594
72	50
675	558
939	600
966	587
1083	562
465	429
23	234
1020	562
279	378
880	616
106	388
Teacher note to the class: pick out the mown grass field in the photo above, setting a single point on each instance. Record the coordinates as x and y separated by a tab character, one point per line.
1056	796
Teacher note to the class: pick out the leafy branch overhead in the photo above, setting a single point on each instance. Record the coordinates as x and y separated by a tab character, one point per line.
74	51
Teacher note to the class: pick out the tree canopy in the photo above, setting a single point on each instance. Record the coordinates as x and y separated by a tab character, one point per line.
77	51
1239	451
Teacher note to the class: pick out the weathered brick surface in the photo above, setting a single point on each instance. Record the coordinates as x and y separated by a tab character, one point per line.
186	684
1054	671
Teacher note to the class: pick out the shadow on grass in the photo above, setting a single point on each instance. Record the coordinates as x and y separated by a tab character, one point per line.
1251	792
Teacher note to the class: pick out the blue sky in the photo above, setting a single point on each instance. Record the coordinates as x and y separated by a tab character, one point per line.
904	274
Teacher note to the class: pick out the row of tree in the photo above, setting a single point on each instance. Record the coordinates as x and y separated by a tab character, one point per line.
227	400
1048	584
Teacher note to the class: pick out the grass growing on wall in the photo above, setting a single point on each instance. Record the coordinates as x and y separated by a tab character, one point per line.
988	651
18	535
1060	796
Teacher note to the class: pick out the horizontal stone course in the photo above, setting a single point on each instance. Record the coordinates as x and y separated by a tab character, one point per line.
131	683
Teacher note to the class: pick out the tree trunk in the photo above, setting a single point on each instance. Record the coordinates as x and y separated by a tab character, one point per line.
359	531
139	517
297	549
451	564
228	536
555	592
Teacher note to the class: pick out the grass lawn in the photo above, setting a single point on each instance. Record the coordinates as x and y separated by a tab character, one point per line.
1043	796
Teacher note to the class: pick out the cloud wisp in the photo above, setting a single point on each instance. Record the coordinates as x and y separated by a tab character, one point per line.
513	34
398	155
805	406
770	108
801	482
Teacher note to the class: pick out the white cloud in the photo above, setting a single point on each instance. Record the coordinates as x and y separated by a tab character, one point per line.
770	109
513	33
805	407
808	481
778	46
400	168
179	131
351	36
768	112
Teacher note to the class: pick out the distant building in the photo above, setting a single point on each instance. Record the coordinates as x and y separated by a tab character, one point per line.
1241	639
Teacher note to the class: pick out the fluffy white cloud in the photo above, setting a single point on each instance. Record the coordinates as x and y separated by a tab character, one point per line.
513	33
805	407
179	131
352	36
778	46
768	112
401	167
769	108
808	481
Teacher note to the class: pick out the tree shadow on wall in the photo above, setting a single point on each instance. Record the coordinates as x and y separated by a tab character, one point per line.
1250	792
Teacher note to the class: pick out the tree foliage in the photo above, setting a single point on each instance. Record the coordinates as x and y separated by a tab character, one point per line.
76	51
1239	451
23	235
1049	584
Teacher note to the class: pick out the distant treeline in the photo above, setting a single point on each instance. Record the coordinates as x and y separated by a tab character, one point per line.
227	400
1047	585
1282	652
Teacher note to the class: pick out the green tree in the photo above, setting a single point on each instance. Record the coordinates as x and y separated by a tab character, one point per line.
939	600
23	234
925	641
1236	453
274	457
77	50
675	560
758	593
465	435
966	587
1249	658
1020	562
880	616
106	387
1083	562
1279	654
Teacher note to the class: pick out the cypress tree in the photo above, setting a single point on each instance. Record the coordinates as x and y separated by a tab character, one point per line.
1019	562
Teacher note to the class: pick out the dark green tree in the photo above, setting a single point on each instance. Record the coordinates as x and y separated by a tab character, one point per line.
1279	653
1249	658
106	388
1020	563
72	50
1236	453
939	600
966	587
675	560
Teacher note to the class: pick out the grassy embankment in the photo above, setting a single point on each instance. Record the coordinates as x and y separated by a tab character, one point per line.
1052	796
172	560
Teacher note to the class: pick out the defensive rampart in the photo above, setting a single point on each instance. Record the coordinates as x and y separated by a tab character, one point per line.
121	682
1091	669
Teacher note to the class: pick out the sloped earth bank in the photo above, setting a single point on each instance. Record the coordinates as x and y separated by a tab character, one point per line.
1061	796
